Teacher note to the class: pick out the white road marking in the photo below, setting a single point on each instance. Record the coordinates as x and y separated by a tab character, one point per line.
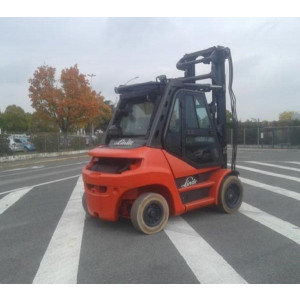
20	169
37	168
293	162
40	184
61	259
272	188
273	165
12	170
269	173
284	228
207	265
12	198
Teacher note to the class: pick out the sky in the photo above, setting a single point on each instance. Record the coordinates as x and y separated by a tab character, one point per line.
265	54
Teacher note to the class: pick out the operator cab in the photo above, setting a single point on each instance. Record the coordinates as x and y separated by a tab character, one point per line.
174	115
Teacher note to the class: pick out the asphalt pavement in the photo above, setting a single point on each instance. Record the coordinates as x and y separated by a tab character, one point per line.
45	236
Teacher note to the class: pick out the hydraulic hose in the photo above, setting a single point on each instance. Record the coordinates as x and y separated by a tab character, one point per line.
233	111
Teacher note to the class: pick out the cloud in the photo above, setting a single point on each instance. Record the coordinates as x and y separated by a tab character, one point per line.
265	54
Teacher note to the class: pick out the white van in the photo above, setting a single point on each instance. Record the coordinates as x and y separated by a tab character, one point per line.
15	144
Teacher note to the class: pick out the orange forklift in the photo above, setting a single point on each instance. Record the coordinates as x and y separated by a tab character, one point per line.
165	150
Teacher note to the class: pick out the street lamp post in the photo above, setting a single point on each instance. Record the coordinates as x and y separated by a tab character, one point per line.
91	76
91	81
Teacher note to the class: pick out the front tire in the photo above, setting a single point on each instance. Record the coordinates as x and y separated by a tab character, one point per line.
230	195
150	213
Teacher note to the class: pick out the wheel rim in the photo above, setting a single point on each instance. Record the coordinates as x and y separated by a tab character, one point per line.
153	214
232	195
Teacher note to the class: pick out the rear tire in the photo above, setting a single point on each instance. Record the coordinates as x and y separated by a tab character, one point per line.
150	213
84	205
230	195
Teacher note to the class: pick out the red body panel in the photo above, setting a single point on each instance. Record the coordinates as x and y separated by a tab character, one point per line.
157	171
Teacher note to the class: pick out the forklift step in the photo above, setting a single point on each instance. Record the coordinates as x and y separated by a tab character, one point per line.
199	203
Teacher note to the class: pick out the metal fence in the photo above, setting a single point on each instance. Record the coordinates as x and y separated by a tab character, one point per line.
51	142
268	137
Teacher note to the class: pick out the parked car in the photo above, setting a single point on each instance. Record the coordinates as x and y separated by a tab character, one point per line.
15	144
27	144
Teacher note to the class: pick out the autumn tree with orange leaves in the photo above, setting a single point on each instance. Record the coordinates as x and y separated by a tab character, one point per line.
69	102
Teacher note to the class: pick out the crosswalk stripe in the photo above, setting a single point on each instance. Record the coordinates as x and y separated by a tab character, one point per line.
39	184
269	173
61	259
293	162
271	188
273	165
10	199
207	264
282	227
287	229
36	168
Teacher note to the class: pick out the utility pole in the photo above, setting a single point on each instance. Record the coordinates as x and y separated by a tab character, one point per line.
91	81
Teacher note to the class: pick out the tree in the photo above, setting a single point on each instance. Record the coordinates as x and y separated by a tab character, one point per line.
41	124
14	119
286	116
1	122
105	113
69	102
229	120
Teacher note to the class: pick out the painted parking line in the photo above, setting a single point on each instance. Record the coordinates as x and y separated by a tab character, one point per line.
282	227
61	259
13	170
207	264
272	188
273	165
40	184
38	168
10	199
293	162
268	173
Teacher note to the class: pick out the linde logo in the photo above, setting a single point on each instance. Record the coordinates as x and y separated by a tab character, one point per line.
189	181
124	142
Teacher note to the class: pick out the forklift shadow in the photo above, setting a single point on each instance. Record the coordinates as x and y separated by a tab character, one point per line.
210	215
122	226
206	212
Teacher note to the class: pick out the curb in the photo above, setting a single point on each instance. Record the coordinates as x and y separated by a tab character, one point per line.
40	155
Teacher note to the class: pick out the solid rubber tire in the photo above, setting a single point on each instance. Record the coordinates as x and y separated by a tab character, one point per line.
137	212
222	205
84	205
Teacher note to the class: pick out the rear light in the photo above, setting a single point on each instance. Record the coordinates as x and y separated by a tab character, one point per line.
98	189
